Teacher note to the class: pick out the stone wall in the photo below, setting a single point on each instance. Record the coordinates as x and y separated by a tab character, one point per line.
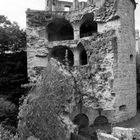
125	74
110	50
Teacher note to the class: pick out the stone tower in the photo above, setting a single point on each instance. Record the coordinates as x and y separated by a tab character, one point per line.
97	33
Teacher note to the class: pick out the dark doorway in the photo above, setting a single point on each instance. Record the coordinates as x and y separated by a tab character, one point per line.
60	29
63	54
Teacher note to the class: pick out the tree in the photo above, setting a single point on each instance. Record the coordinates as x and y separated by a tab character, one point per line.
45	111
12	38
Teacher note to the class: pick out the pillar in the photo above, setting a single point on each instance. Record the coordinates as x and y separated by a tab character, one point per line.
76	31
76	53
75	5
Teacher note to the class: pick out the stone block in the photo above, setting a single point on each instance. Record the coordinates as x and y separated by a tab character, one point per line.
32	138
104	136
126	133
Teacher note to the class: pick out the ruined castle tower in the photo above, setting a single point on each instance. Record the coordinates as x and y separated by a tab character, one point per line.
99	33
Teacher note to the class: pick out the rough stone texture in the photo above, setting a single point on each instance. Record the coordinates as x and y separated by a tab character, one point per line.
120	133
110	52
103	136
125	74
126	133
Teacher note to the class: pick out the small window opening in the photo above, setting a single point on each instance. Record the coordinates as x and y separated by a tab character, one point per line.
66	8
113	94
131	57
122	108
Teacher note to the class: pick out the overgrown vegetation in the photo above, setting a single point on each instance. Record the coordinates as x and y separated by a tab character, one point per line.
7	135
13	72
12	38
45	110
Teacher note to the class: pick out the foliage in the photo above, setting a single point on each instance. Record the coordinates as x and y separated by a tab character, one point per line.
6	135
44	109
8	113
13	73
12	38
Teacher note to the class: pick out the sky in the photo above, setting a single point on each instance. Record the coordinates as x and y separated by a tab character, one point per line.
15	10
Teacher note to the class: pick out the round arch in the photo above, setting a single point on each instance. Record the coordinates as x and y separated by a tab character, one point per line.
63	54
88	25
60	29
81	120
101	121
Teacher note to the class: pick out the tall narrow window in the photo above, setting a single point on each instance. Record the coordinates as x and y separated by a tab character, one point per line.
83	57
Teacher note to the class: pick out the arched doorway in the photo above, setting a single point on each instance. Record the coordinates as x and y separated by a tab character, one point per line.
63	54
81	120
88	26
60	29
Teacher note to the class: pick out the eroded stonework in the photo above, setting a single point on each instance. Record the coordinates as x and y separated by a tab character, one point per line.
96	36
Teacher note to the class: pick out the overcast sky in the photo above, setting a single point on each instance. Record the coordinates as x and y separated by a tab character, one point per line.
15	10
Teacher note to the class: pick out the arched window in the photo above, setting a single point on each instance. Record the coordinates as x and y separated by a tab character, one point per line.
63	54
81	120
88	26
60	29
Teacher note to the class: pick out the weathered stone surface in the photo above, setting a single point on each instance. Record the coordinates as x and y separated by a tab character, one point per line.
32	138
110	52
104	136
126	133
